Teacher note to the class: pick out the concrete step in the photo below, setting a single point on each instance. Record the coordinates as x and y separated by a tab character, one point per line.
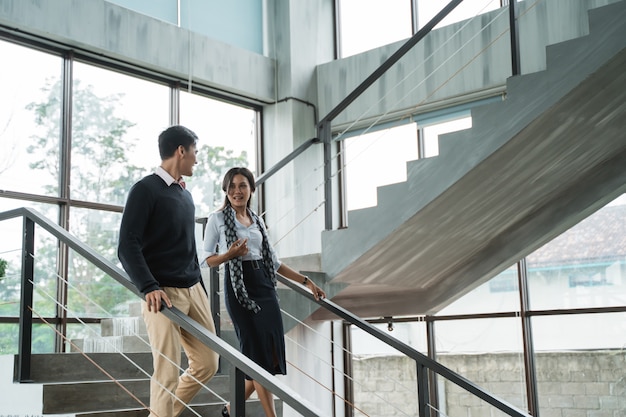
75	367
93	397
123	326
253	409
112	344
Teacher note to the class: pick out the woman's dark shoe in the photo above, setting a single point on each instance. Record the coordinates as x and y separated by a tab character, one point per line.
225	412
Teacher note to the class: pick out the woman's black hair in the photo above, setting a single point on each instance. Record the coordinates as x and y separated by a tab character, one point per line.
228	178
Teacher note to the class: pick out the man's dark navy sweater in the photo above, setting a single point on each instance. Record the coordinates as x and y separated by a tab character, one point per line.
157	246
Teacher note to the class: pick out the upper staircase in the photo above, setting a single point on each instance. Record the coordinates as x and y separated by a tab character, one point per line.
531	166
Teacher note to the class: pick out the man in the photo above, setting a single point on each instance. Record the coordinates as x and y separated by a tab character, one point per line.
157	248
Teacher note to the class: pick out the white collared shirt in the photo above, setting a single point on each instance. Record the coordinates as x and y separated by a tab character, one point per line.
215	239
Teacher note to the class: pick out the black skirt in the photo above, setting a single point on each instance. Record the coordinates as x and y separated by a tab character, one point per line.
261	335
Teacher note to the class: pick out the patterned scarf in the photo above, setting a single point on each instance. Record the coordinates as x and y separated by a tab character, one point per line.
235	265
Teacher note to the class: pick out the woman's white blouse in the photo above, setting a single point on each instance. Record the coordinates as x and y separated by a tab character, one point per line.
215	239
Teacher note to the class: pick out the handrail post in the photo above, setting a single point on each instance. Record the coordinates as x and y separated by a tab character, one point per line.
26	313
323	132
529	353
214	290
513	27
432	376
422	390
238	387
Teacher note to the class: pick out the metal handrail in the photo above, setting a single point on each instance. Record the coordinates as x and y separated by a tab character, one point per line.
265	175
420	359
241	364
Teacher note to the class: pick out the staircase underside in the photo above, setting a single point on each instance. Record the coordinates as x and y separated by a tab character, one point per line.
564	164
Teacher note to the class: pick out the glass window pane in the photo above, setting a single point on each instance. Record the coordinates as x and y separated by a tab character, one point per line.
46	273
368	24
9	338
116	120
226	138
30	115
499	294
10	284
45	260
488	352
580	364
92	292
166	10
236	22
376	159
383	378
42	340
579	331
98	229
427	9
432	132
583	267
479	335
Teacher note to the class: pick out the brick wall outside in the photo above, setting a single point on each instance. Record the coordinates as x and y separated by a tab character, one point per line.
570	384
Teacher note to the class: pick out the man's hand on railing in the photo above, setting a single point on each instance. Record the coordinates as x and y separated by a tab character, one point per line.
155	298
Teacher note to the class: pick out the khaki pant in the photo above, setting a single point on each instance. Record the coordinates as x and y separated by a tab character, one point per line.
167	387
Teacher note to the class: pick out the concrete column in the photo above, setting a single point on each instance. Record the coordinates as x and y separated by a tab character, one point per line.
300	36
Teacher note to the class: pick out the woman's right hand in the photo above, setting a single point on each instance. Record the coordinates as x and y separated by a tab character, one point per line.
238	248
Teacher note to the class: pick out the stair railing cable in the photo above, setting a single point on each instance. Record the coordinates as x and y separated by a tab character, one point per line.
319	359
423	362
241	364
115	349
100	368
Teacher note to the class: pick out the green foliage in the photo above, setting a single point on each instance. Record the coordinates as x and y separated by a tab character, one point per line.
9	291
213	162
101	170
3	268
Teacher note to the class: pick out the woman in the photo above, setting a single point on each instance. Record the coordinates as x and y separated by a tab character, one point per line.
236	236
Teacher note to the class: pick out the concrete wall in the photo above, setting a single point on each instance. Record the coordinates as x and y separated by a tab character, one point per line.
113	31
300	37
570	384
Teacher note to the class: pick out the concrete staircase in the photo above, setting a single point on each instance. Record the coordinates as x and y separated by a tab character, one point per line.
109	375
120	334
531	167
74	383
